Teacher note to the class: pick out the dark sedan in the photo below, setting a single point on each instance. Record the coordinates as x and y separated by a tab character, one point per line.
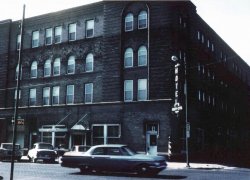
115	158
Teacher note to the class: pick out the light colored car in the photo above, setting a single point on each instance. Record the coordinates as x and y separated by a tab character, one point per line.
42	151
77	150
6	151
115	158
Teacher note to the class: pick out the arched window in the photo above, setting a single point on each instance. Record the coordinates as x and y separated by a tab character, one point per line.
17	70
47	68
71	65
33	72
89	63
129	21
56	67
142	20
128	58
142	56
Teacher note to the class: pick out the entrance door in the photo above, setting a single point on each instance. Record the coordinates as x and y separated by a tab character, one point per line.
79	139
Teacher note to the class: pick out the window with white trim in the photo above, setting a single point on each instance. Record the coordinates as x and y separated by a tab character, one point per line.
142	20
46	96
89	63
142	56
55	95
58	34
106	133
90	28
56	67
16	94
128	58
47	68
35	39
142	90
71	65
33	72
129	21
70	94
18	42
17	71
72	32
128	90
48	36
32	97
88	93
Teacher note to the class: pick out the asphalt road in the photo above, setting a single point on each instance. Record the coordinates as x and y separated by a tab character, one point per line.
41	171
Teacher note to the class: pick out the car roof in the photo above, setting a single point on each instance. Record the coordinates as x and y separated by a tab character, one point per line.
109	145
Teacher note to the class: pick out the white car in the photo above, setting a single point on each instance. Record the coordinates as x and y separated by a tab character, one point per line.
42	151
77	150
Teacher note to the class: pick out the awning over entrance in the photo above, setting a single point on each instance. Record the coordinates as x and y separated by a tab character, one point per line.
79	127
82	125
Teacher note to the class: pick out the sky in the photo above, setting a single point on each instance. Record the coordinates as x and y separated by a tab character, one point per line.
230	19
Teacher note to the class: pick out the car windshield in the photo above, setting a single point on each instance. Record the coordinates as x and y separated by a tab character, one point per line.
45	146
9	146
128	151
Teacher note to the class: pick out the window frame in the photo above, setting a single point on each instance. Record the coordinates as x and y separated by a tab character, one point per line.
57	61
89	59
140	89
126	53
140	51
48	34
72	32
57	94
46	98
90	25
58	34
47	65
129	18
18	42
143	13
71	60
67	94
125	90
35	39
33	70
32	103
86	94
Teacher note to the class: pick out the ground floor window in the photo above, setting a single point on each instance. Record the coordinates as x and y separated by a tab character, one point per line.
106	133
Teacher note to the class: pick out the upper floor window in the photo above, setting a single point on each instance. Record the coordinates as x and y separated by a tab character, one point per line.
18	42
56	67
47	68
142	90
32	97
46	96
48	36
35	39
71	65
19	96
90	28
70	94
128	90
33	72
89	93
89	63
129	21
55	95
142	20
142	56
17	72
128	58
72	32
58	34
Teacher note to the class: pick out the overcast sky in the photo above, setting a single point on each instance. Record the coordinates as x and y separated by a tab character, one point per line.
229	18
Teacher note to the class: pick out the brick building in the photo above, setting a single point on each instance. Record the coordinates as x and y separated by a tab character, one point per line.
102	73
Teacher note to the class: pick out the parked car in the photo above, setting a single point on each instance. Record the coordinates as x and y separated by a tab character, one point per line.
60	150
6	151
115	158
42	151
77	150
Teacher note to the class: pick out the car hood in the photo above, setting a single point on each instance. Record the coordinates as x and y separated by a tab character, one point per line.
45	150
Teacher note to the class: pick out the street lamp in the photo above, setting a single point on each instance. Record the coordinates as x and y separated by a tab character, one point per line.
177	107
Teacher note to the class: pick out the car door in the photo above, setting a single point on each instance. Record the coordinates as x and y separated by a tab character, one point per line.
99	159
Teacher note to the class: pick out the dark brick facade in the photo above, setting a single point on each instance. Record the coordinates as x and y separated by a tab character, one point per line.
217	79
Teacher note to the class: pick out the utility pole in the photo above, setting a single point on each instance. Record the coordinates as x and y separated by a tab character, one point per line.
17	96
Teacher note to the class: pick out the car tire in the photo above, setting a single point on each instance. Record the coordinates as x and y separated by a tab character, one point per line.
142	169
33	160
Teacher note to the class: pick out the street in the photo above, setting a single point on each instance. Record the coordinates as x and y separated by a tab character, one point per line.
32	171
